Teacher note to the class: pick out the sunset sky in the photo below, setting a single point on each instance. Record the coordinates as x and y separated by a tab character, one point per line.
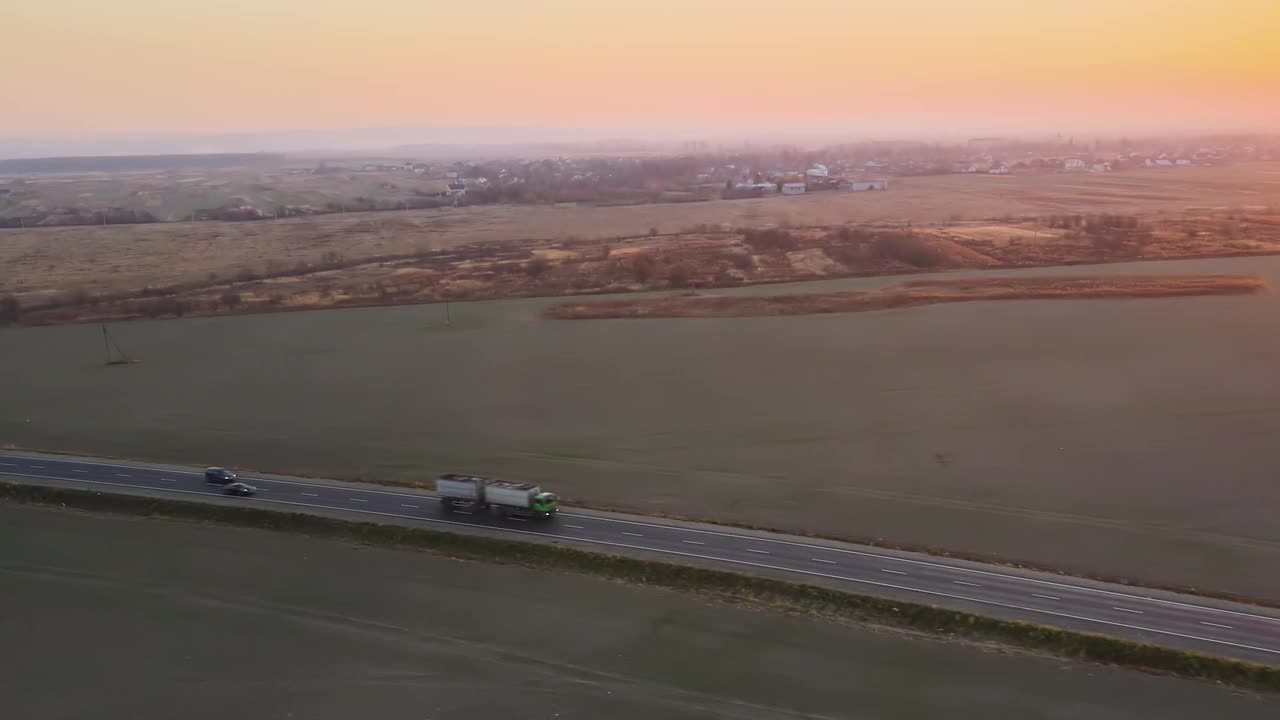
907	66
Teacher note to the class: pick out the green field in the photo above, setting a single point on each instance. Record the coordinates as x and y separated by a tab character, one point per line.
114	617
1130	438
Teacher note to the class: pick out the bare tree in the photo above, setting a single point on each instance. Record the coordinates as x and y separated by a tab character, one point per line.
537	267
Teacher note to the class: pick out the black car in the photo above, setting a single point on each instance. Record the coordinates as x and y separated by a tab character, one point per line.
219	476
240	489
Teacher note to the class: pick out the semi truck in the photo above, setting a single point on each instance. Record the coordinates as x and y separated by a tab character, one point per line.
481	493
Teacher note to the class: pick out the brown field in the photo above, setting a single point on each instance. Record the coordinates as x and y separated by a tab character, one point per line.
914	292
41	262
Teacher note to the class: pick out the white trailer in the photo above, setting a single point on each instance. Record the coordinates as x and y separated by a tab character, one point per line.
464	488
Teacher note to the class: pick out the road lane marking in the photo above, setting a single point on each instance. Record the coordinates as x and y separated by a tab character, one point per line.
962	582
693	542
311	494
1135	612
1046	597
895	572
633	534
407	505
814	573
829	562
517	519
168	480
1217	625
356	500
9	464
934	564
762	552
37	467
575	527
123	475
79	471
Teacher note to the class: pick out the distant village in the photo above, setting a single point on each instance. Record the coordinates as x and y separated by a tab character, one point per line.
703	174
253	187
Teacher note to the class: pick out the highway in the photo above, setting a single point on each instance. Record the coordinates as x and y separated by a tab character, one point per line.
1185	621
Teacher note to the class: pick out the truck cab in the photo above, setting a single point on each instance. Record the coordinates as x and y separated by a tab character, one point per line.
545	504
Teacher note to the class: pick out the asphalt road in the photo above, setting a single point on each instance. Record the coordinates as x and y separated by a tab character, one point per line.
1218	627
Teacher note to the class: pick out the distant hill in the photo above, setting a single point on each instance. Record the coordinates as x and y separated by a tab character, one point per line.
126	163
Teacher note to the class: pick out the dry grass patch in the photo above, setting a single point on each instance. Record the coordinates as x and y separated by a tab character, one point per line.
915	292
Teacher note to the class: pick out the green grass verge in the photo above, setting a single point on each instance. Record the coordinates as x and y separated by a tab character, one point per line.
728	585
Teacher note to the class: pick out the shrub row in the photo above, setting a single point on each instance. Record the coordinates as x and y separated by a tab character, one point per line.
791	595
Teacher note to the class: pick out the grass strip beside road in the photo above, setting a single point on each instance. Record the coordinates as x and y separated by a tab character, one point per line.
720	584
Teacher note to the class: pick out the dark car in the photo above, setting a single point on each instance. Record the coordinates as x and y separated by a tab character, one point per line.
240	489
219	476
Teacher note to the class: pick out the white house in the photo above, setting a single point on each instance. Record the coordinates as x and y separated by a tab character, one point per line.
862	185
1073	164
999	169
793	188
1101	167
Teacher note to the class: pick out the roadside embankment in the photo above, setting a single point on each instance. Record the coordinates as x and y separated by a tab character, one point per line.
718	584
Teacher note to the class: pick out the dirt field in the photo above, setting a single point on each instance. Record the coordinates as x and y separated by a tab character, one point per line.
112	617
1131	439
912	293
42	262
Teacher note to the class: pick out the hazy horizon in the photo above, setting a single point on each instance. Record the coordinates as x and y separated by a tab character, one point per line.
396	140
139	76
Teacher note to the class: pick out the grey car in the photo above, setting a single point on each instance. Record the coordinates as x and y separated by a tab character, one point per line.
219	476
240	489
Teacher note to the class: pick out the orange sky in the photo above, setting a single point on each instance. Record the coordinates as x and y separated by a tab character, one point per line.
89	66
